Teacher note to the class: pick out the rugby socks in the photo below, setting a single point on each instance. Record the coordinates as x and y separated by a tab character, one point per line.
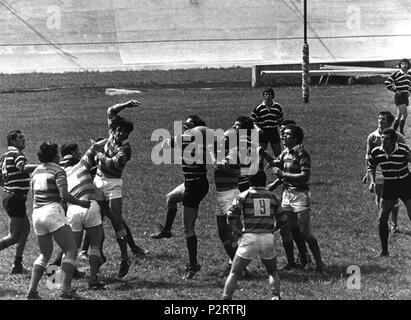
396	123
383	229
228	246
289	251
18	260
315	249
394	216
67	268
36	274
130	239
300	242
171	214
192	250
94	261
57	259
402	124
274	282
122	243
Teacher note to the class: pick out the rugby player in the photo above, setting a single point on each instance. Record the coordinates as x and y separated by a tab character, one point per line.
15	173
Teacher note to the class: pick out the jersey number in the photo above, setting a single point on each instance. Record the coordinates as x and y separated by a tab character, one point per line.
261	207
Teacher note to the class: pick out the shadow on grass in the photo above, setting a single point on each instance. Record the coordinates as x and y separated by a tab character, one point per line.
160	256
334	272
137	283
8	292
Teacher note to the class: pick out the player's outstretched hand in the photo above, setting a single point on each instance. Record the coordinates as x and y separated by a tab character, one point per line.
372	187
364	179
133	103
97	146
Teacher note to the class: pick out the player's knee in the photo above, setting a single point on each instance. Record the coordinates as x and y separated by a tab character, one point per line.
68	259
42	260
94	251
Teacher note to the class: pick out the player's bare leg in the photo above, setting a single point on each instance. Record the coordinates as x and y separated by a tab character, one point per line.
231	283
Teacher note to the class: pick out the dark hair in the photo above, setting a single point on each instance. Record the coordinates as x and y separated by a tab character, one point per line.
245	122
390	116
269	90
68	148
258	180
12	136
197	121
287	122
296	132
119	121
391	133
47	151
404	60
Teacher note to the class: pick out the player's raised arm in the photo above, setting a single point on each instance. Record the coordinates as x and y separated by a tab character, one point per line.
113	110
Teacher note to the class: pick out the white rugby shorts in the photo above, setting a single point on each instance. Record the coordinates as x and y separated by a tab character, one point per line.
48	219
111	188
224	200
254	245
79	218
295	201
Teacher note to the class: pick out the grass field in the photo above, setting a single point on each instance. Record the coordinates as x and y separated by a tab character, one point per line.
344	218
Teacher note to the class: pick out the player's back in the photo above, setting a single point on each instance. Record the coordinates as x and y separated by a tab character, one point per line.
258	207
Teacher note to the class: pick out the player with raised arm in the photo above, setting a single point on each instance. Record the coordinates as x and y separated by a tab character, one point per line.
175	196
112	159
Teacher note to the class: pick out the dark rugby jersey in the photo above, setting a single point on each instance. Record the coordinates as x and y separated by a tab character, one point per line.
15	180
226	173
393	166
194	154
295	160
244	144
257	207
402	81
267	118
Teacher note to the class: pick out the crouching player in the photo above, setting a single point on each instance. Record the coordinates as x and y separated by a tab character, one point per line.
80	185
259	209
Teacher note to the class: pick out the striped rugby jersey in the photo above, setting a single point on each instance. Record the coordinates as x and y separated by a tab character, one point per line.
402	81
194	154
115	156
15	180
295	160
374	140
227	173
245	165
267	118
257	207
44	184
393	166
79	180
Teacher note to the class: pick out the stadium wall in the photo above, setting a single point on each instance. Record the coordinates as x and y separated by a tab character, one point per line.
74	35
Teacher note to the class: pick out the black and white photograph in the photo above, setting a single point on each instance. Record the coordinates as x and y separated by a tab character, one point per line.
199	156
